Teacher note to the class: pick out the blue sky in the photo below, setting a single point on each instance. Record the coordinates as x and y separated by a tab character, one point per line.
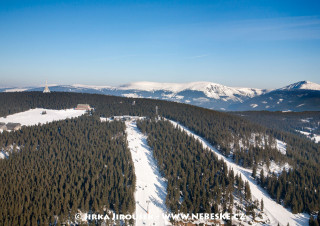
247	43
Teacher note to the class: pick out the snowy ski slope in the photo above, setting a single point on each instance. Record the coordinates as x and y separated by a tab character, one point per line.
150	185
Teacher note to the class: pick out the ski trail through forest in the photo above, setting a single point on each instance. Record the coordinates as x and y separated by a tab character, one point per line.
275	212
151	187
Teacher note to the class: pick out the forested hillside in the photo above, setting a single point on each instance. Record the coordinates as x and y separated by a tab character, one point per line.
299	188
286	121
248	143
62	167
198	182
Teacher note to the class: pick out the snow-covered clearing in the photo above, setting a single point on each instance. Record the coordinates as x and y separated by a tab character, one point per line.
281	146
35	116
316	138
274	167
5	152
278	144
151	187
276	212
313	137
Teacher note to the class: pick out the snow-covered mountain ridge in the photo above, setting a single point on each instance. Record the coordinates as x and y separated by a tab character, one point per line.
213	90
204	94
299	96
202	86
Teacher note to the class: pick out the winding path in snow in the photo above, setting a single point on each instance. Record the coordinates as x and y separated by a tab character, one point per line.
151	187
275	212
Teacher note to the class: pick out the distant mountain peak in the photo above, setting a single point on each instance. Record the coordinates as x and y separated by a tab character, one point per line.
302	85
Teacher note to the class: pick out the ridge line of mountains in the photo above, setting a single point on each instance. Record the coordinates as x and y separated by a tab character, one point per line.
300	96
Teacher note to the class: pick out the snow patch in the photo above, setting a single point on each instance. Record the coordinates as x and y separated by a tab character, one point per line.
313	137
275	168
172	96
282	147
3	154
179	97
131	95
6	151
15	90
35	116
91	87
103	119
280	100
201	99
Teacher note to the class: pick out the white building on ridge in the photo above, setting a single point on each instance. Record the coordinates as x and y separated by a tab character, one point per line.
46	89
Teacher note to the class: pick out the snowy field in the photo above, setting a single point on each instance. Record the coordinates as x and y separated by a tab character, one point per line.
34	116
151	187
275	212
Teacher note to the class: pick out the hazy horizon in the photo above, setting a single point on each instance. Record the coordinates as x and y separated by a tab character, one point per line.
118	85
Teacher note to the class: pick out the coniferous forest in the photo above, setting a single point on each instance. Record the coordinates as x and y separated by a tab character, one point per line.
285	121
65	166
298	188
195	175
41	180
